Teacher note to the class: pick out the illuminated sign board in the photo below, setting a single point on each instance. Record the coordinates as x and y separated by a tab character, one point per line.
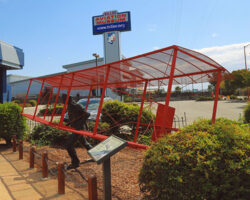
111	21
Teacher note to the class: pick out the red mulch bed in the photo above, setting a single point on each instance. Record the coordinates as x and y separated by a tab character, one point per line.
125	167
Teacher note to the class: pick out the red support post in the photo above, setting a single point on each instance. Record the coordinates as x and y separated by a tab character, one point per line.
171	77
140	112
45	171
101	101
61	178
26	95
90	90
51	93
92	188
52	116
14	143
20	147
38	99
32	157
67	100
216	96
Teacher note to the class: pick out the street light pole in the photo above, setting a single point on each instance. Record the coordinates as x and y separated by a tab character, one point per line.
246	68
96	57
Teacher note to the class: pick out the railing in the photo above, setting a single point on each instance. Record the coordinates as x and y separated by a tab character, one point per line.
60	170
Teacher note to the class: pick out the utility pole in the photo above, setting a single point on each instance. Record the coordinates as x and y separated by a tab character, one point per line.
246	67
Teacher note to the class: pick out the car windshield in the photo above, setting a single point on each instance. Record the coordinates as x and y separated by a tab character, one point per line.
93	103
93	106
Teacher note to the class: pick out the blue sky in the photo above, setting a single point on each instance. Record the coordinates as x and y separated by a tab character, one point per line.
53	33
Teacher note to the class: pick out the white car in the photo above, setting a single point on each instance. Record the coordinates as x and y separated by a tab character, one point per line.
92	107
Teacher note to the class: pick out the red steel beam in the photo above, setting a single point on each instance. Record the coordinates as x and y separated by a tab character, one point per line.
51	93
140	112
200	59
183	75
67	100
216	96
101	101
38	99
171	79
26	95
59	88
90	90
200	54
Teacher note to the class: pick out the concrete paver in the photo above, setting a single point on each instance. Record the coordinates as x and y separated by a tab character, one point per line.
19	182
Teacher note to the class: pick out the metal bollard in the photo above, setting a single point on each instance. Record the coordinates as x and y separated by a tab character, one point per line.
32	157
61	178
92	187
45	171
14	143
20	148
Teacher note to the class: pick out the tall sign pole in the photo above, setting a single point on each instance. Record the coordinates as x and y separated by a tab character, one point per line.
110	25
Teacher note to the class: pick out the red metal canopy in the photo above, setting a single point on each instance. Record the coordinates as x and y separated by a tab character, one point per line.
164	67
190	67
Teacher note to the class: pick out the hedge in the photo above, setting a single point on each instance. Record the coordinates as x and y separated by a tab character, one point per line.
12	122
45	135
203	161
58	111
247	113
117	113
33	102
204	98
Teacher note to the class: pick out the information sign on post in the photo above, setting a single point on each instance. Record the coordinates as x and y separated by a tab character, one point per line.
101	153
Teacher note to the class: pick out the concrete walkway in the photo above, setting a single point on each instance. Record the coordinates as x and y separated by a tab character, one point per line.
19	182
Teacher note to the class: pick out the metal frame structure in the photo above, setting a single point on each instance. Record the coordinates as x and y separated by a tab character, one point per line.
168	66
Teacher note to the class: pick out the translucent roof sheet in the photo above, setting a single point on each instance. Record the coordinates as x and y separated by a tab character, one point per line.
190	67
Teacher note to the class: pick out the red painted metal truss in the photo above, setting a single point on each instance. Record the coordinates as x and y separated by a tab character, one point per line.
169	66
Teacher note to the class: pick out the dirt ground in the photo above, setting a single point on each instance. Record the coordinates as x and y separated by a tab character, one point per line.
125	167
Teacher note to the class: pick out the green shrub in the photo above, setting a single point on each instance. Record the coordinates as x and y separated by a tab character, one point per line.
58	110
16	101
117	113
33	102
43	135
26	105
128	98
204	98
103	127
46	135
11	121
203	161
247	113
233	97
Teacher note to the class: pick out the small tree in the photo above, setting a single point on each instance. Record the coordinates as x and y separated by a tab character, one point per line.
178	89
204	161
11	122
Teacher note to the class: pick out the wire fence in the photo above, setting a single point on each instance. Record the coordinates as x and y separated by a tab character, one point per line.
180	122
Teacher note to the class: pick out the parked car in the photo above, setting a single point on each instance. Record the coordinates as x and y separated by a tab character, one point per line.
92	107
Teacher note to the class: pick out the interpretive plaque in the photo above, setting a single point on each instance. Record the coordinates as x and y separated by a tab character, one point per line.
107	148
101	153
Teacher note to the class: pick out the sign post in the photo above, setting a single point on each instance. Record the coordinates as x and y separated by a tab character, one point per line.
101	153
110	25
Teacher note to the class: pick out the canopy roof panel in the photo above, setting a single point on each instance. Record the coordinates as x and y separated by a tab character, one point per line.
190	67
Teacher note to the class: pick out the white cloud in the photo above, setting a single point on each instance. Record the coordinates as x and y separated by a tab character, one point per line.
214	35
229	56
155	48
